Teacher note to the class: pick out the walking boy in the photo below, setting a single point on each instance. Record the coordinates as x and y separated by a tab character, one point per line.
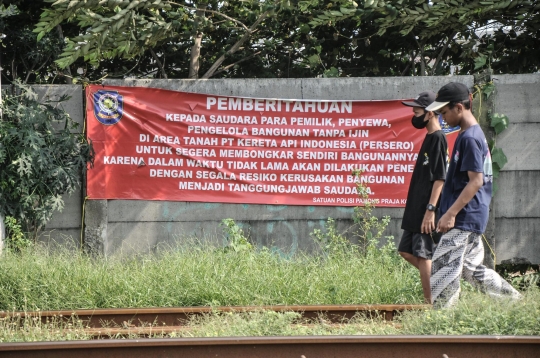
464	206
416	245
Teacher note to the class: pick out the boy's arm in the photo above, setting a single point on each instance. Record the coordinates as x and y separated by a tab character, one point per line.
447	221
428	224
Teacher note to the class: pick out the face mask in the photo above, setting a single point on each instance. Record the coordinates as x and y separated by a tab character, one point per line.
418	122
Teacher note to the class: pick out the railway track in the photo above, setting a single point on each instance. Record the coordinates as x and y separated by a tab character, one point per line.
281	347
175	316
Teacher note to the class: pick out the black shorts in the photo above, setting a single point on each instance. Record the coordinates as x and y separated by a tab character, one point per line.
416	244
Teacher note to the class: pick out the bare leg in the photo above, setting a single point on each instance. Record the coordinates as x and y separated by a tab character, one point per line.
424	266
413	260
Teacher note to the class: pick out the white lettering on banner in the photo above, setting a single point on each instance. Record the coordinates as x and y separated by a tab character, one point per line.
373	144
364	133
274	188
404	157
328	133
122	160
183	117
243	142
274	166
217	130
205	163
164	173
317	155
257	177
272	105
166	162
306	166
363	122
168	139
340	190
275	121
215	175
241	165
311	178
195	152
285	132
255	154
153	149
335	167
380	179
327	122
201	186
393	201
233	119
324	200
400	168
341	144
200	141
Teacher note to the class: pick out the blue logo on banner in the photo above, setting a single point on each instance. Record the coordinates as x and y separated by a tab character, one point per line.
108	107
445	127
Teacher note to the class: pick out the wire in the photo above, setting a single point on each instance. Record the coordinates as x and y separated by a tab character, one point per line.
491	249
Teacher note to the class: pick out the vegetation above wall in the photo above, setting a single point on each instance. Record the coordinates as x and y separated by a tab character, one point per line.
62	41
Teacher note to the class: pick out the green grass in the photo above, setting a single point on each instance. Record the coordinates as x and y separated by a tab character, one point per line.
475	314
210	276
204	276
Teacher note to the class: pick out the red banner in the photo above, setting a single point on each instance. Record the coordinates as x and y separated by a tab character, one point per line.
154	144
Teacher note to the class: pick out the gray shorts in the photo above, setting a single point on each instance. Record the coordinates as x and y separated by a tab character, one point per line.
416	244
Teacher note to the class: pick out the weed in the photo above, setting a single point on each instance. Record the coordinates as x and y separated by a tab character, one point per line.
236	240
15	238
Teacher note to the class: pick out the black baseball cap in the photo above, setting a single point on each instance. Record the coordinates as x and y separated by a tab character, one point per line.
423	100
452	92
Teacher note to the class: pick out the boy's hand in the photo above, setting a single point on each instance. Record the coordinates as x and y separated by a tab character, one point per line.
428	224
446	223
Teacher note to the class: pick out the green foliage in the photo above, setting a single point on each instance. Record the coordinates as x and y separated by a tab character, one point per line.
499	122
236	240
330	240
367	229
15	238
471	35
41	158
477	314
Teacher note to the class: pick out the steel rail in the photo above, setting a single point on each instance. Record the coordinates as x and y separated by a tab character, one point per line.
174	316
281	347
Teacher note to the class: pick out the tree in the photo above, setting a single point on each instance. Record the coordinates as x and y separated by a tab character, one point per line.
128	29
466	35
38	162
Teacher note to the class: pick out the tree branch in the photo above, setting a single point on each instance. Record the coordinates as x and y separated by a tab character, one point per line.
443	50
195	55
235	47
212	12
61	35
237	62
162	69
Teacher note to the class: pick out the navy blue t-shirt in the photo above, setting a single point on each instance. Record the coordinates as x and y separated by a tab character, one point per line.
470	153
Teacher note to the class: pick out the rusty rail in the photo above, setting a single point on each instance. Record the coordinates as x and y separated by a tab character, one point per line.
174	316
280	347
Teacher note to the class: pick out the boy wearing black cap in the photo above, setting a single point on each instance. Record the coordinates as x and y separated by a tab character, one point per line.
416	245
464	206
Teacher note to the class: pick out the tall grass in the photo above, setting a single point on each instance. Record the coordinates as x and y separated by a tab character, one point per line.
204	275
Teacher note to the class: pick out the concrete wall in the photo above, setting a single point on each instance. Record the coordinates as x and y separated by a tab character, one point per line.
517	202
122	226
